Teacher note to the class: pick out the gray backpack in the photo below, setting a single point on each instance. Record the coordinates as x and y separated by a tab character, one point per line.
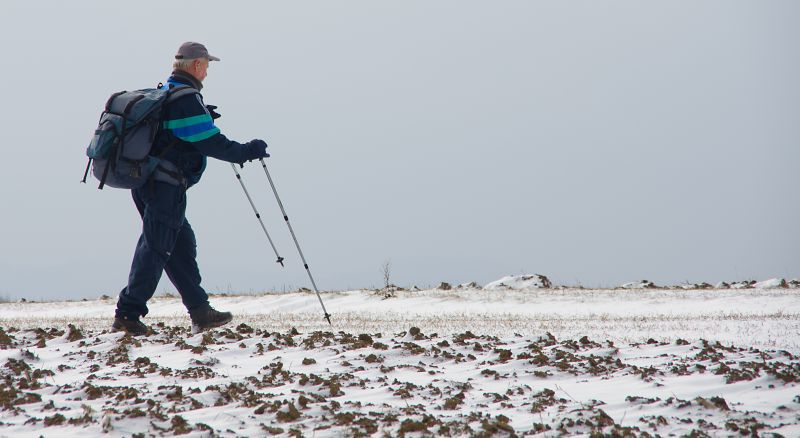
121	145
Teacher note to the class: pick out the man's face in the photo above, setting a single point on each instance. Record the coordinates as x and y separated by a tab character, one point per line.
200	67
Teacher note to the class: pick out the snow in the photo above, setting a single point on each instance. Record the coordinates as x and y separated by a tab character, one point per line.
644	284
773	283
519	282
455	362
743	285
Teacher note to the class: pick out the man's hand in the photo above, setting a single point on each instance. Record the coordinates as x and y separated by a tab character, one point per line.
214	115
256	149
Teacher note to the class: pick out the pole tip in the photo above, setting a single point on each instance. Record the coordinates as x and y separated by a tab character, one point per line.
328	317
280	260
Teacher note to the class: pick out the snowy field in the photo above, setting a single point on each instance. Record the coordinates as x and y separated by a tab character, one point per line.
459	362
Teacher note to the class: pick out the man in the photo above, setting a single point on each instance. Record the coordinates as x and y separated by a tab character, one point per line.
167	243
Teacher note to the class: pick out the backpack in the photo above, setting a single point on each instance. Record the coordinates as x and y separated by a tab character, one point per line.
121	145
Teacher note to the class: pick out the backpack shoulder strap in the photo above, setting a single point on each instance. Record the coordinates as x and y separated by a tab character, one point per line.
180	91
174	94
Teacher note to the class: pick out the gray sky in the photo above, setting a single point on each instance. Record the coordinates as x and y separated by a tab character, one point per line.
593	142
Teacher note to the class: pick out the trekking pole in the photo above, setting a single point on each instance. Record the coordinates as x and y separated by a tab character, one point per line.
258	216
286	218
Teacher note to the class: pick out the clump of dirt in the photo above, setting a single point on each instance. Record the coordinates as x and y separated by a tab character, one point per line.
179	425
244	329
544	399
74	333
454	402
497	426
273	430
713	403
5	339
86	418
413	348
503	355
17	366
288	415
416	333
54	420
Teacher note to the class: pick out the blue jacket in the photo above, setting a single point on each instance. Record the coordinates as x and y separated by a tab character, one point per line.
187	123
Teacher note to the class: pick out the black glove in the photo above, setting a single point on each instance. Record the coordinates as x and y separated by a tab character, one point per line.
256	149
214	115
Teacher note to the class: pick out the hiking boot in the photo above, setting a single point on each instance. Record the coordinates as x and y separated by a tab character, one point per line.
206	318
132	326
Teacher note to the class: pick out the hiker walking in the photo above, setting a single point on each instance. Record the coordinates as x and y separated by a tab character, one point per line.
187	136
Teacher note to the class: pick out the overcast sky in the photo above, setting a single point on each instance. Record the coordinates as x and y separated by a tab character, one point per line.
594	142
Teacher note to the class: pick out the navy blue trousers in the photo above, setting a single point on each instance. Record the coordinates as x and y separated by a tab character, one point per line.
167	244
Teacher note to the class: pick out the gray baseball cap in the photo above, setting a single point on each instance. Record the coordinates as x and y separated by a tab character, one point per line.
192	50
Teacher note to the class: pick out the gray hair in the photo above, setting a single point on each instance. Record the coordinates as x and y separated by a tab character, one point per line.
183	64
